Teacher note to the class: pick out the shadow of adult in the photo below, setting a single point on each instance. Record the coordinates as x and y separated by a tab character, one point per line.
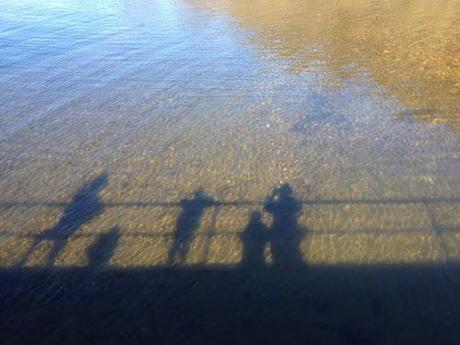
285	235
84	206
187	223
254	239
100	252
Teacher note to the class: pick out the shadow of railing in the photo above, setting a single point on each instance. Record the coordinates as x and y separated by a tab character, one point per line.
223	203
250	302
187	221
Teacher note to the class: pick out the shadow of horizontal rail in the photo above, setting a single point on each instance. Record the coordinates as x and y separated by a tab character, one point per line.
396	201
233	233
318	304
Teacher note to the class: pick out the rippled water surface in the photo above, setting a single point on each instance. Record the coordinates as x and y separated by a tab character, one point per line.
156	128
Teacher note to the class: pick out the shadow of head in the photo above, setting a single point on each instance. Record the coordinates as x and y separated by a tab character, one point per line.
255	218
95	186
200	196
284	192
282	202
100	252
86	200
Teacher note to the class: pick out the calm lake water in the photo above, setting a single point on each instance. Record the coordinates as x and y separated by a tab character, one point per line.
174	121
230	172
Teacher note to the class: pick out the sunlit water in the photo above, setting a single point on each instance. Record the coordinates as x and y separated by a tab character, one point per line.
352	104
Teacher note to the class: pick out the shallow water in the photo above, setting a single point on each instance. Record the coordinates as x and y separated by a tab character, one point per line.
352	106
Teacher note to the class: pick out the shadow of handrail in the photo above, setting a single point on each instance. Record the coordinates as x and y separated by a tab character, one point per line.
218	203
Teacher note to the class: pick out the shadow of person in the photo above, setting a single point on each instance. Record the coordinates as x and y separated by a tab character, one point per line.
254	239
187	223
100	252
84	206
285	235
